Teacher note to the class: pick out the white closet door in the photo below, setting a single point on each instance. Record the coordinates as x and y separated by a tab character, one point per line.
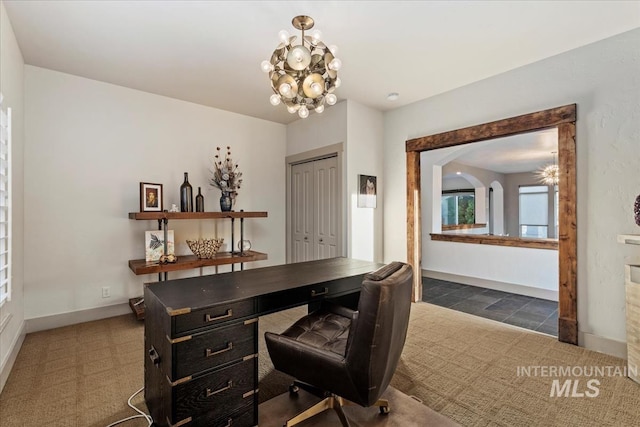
302	212
325	208
314	210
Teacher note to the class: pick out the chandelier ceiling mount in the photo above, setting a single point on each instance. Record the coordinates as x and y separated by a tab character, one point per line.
303	76
302	22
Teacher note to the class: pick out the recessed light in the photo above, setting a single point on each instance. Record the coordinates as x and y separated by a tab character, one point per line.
458	173
393	96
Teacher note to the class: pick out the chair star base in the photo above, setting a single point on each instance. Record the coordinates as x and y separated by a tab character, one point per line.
329	401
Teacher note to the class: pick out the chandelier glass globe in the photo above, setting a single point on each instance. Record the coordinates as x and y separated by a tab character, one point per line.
303	76
550	174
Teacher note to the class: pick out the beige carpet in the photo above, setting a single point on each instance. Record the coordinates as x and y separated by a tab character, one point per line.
462	366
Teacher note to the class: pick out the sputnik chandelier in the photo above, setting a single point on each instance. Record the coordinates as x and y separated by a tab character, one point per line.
549	175
303	76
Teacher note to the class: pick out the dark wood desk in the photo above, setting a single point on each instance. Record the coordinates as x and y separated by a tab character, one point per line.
201	336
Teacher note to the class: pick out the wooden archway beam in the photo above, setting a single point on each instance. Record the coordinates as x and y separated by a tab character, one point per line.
563	118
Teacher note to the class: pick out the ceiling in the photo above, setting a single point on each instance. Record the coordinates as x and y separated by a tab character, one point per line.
526	152
209	52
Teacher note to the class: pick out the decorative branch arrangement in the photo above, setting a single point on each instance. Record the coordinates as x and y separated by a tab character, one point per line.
225	175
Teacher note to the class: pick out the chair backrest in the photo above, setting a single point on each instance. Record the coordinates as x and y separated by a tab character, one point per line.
378	333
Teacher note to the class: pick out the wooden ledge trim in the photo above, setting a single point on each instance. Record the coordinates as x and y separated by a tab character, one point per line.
462	226
477	239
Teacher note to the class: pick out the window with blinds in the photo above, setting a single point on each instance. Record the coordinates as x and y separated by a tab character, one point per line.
5	202
533	211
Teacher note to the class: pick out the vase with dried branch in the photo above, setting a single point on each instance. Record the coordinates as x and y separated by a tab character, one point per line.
225	176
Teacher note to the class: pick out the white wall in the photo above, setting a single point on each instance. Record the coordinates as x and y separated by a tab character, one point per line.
317	130
88	146
604	80
364	157
11	85
359	128
523	269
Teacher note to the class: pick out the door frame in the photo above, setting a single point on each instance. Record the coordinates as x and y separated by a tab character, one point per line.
562	118
336	150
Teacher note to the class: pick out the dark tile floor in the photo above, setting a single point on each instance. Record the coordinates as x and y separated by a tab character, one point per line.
527	312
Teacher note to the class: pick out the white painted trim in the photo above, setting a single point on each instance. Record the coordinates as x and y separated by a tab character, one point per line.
5	321
74	317
602	344
493	284
315	154
10	359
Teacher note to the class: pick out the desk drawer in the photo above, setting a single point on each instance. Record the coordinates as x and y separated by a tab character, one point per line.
210	349
245	417
217	394
212	316
308	294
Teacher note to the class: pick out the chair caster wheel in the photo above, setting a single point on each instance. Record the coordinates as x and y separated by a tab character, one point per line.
293	389
384	410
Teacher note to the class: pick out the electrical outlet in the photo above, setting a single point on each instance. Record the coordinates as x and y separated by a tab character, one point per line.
106	292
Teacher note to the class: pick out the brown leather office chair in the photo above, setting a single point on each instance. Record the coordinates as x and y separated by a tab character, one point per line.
348	356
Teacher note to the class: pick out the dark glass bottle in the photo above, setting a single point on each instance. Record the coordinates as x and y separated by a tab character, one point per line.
186	195
199	201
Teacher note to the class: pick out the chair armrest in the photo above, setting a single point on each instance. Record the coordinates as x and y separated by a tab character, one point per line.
334	308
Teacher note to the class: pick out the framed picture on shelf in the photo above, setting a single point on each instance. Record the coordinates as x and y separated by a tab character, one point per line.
154	244
367	192
150	197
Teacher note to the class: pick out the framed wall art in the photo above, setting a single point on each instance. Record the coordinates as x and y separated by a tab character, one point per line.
367	191
154	244
150	197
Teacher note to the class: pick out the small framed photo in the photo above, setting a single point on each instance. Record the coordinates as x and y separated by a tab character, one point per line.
367	192
150	197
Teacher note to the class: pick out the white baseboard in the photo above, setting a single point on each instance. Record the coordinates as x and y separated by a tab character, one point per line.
493	284
14	348
602	345
81	316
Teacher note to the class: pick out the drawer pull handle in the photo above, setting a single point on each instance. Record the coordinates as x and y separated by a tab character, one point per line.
211	393
229	313
214	353
317	294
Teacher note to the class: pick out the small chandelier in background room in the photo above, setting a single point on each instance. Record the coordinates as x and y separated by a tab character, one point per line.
549	175
303	76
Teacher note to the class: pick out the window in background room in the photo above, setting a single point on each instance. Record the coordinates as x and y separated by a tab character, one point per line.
458	207
5	202
533	211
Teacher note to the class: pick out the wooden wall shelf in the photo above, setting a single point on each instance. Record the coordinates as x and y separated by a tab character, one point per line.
194	215
140	266
186	262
